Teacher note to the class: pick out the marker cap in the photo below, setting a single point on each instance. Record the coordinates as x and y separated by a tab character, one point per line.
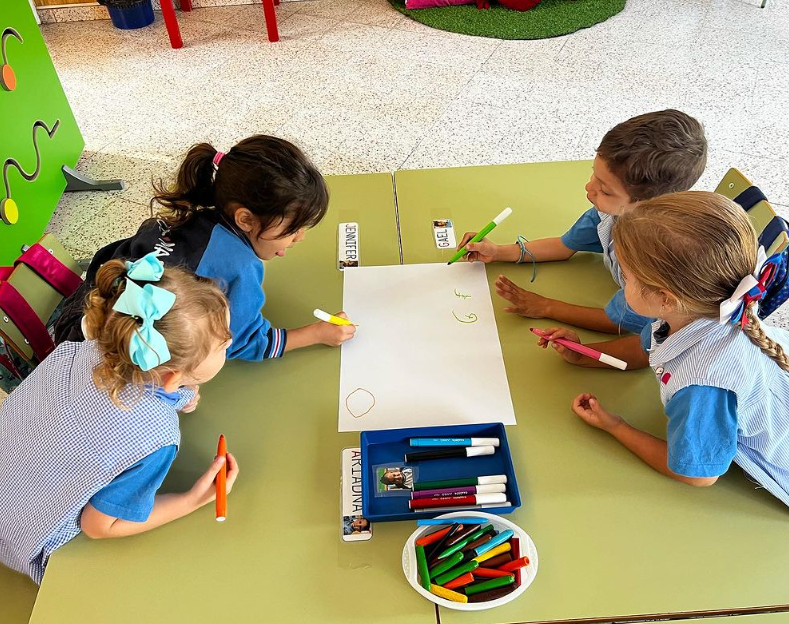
489	499
474	451
484	441
487	480
503	215
321	315
612	361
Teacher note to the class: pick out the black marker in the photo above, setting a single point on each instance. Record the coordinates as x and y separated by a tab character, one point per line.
467	451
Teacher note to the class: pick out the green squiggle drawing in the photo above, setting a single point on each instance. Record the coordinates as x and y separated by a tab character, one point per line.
472	318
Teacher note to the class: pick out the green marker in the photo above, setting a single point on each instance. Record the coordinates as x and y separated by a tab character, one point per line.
465	542
446	565
421	565
493	583
448	483
470	566
481	234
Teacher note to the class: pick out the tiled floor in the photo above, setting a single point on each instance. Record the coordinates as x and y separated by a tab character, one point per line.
362	88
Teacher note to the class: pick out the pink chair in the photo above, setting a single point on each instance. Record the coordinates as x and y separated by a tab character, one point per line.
171	21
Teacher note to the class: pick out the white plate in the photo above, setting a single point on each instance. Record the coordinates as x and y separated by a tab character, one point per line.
527	549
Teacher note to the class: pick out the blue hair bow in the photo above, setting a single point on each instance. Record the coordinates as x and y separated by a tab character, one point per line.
147	347
147	269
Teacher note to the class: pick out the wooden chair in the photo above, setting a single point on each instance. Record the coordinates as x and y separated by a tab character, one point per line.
772	229
174	32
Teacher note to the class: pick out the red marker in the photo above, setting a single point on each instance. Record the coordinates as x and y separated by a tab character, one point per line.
221	482
515	565
454	501
584	350
490	572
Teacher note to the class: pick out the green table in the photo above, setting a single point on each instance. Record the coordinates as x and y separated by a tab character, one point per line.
17	596
614	537
279	557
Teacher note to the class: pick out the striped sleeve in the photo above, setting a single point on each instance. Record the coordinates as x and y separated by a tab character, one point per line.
277	339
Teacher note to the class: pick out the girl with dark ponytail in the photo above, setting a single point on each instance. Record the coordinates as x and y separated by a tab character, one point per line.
220	217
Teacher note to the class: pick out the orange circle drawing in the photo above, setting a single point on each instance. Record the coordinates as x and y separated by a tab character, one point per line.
9	211
8	78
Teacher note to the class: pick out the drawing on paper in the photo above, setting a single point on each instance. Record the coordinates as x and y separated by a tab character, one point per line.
470	318
359	402
417	321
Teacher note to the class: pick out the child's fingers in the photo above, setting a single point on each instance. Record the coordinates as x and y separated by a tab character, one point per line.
341	315
466	238
581	404
232	470
205	481
504	281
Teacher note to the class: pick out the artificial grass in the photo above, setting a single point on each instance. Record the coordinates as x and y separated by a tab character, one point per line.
550	18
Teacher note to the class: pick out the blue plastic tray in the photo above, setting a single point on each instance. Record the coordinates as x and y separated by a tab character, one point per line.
390	446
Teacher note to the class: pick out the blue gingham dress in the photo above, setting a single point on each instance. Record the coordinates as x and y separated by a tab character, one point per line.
61	441
604	230
705	353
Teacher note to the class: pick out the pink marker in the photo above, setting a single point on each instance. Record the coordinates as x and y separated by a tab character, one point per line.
583	350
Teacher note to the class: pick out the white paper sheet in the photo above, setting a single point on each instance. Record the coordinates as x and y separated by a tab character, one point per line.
411	363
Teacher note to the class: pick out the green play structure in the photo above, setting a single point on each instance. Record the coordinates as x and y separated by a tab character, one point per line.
39	138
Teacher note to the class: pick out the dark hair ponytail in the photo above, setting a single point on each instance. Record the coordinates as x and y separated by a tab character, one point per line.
270	177
193	188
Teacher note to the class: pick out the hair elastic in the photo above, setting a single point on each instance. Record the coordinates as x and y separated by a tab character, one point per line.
524	251
217	159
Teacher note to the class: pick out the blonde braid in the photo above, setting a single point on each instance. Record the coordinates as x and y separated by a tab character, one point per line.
753	329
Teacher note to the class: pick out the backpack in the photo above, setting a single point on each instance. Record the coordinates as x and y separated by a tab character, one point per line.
777	292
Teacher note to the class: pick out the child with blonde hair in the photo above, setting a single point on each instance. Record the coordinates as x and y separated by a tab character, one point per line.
692	261
87	439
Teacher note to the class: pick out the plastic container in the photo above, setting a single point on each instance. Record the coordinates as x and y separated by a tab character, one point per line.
527	549
390	445
136	15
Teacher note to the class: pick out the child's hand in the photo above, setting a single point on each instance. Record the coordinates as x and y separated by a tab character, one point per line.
523	302
192	405
204	489
553	333
333	335
587	407
483	251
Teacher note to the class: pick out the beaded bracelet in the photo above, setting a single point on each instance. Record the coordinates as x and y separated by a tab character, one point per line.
521	242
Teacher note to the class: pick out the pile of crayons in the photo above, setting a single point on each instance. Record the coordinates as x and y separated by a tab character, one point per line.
466	562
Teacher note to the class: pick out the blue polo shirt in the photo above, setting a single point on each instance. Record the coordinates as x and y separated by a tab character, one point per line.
130	495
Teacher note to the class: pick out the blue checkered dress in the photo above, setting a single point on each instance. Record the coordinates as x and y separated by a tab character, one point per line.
705	353
61	441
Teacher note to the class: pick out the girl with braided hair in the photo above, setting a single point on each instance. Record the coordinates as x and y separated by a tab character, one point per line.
692	261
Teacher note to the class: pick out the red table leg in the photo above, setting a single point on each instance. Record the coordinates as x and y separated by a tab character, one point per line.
186	5
171	22
271	20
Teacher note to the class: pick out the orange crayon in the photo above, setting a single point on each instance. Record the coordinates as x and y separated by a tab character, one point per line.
221	482
463	579
432	537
